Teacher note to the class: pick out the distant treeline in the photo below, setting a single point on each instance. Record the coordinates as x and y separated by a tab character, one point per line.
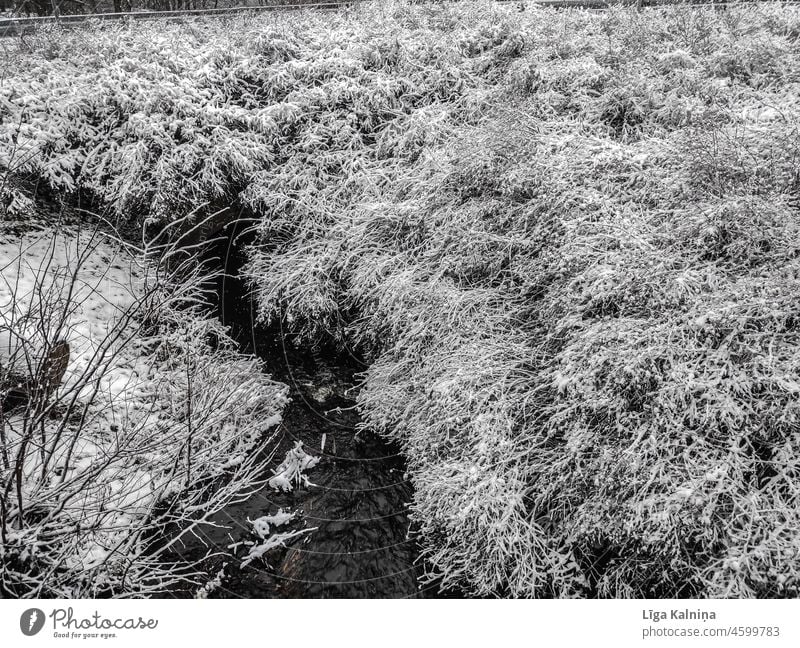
71	7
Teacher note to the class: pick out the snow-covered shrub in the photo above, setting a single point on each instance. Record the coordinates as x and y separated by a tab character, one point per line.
532	295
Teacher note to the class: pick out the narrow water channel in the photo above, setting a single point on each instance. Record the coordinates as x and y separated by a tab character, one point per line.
358	496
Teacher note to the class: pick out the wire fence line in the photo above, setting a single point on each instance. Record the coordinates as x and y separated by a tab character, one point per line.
145	14
16	25
21	25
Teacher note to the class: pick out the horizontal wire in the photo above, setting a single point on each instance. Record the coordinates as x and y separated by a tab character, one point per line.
10	23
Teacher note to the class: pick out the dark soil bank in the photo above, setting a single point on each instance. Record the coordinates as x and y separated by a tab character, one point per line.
357	503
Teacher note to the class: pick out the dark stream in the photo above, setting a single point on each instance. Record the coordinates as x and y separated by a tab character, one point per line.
358	502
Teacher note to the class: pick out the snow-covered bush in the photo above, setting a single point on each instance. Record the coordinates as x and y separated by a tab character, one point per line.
549	301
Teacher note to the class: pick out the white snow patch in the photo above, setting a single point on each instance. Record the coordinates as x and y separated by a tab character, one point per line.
290	473
262	525
277	540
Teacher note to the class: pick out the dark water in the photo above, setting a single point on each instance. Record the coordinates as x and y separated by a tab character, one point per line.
360	547
358	501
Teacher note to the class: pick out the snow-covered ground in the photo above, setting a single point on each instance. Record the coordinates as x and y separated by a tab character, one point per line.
147	414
